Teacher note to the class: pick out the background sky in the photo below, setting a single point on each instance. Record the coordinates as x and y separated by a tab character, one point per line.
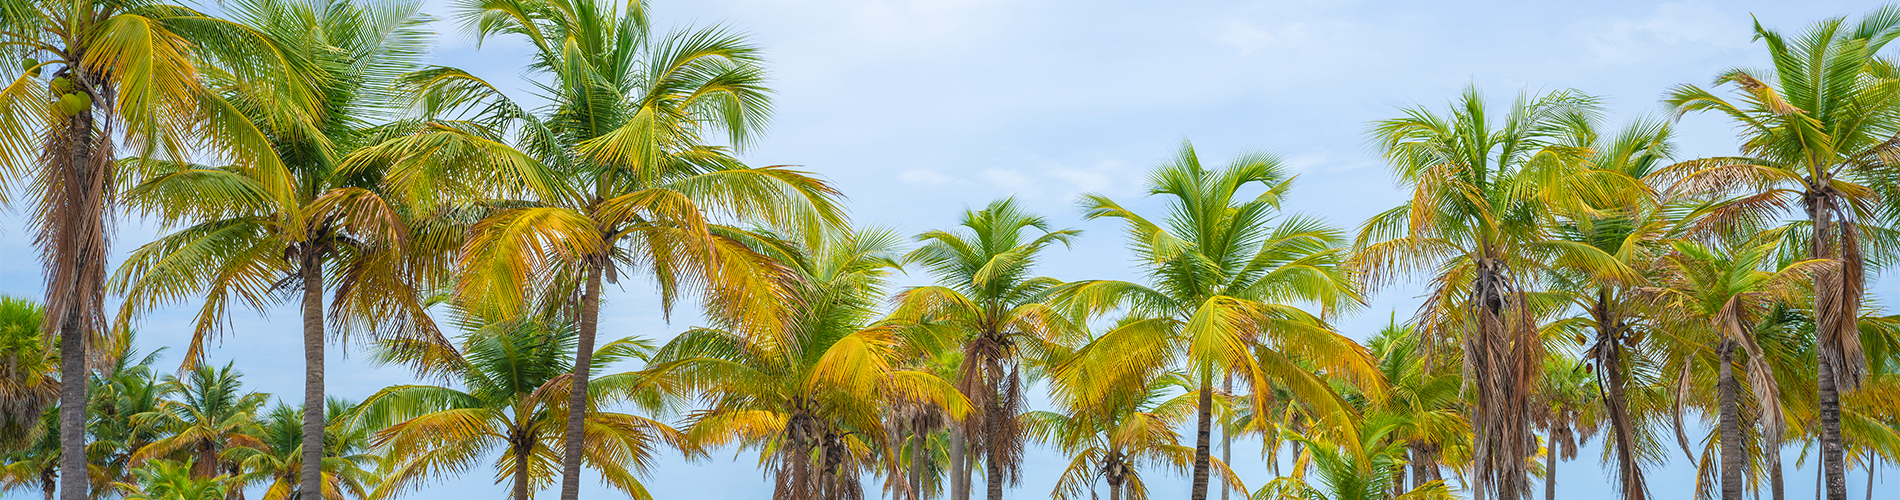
919	109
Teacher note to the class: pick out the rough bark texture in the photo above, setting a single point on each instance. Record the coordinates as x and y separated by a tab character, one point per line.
1832	454
1226	435
993	481
1613	383
310	478
918	440
1202	435
1550	466
577	395
959	465
522	458
1731	424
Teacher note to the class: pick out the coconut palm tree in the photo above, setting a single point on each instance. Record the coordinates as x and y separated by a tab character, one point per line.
212	414
810	397
1631	230
309	224
1816	132
511	377
988	290
1486	190
98	73
1714	298
1113	437
618	174
125	388
1225	278
33	465
1568	412
349	469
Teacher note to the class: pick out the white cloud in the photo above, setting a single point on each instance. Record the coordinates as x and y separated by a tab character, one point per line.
1622	41
924	177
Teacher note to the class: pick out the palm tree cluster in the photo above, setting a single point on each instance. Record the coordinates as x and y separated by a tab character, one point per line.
1581	280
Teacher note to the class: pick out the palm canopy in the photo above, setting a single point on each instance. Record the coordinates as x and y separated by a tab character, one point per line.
212	414
510	394
811	397
1225	281
276	460
29	370
1351	472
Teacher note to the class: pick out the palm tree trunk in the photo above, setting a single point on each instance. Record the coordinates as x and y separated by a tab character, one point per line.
49	484
959	465
522	479
1731	424
1114	490
72	239
1202	431
1550	466
918	440
577	395
310	482
1774	475
1226	435
1616	401
1832	454
993	482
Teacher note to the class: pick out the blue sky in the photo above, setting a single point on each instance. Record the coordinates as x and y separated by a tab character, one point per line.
918	109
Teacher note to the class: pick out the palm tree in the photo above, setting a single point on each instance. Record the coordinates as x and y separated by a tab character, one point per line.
99	72
1816	131
277	460
33	465
810	396
1631	230
1714	299
1425	405
1567	405
1352	472
122	391
173	480
617	174
1223	280
29	372
1111	438
513	378
308	224
1485	192
212	414
988	290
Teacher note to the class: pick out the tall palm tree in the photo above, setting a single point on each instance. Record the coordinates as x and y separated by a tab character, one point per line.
510	397
1631	230
307	224
276	461
618	174
1225	278
811	395
1714	298
988	290
1485	191
29	372
100	72
1816	132
212	414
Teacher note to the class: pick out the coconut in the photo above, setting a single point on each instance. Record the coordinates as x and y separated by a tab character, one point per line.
75	103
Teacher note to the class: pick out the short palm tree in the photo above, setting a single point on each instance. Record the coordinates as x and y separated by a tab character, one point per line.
1816	132
250	230
811	396
1424	405
1568	410
1350	472
125	388
1225	278
1485	191
276	461
988	290
212	414
619	174
1113	438
99	73
173	480
29	371
33	465
509	399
